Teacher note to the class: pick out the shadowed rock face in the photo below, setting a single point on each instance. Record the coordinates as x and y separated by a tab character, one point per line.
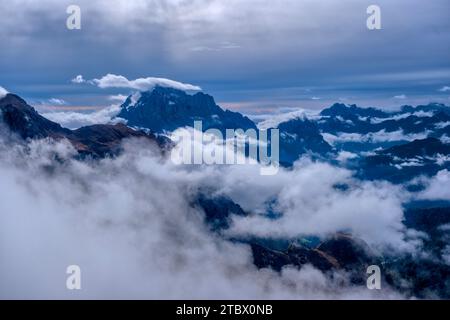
295	256
351	254
340	252
26	122
419	148
218	210
103	140
96	141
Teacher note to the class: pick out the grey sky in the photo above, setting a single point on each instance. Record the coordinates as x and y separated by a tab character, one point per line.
253	55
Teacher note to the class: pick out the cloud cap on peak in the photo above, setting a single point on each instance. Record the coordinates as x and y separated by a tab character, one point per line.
141	84
3	92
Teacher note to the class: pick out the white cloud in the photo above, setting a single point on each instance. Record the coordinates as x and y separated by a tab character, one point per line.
369	210
438	187
273	121
444	89
402	96
142	84
128	223
75	120
56	101
118	98
445	138
442	125
78	79
51	102
344	156
374	137
446	254
220	47
3	92
356	209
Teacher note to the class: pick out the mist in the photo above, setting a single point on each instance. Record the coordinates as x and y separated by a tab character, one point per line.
129	224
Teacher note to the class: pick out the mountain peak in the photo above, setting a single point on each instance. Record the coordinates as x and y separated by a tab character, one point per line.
167	109
335	108
14	100
25	120
351	111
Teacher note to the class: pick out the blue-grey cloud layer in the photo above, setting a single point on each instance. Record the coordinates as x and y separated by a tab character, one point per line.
255	54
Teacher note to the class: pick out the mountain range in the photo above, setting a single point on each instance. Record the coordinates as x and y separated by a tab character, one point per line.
369	133
341	118
152	114
395	146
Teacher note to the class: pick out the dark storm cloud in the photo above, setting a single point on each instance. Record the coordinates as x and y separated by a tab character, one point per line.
255	53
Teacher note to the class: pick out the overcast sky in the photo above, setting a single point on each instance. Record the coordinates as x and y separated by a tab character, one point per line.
253	55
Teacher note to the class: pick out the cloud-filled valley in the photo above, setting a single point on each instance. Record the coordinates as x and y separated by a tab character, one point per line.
140	226
129	224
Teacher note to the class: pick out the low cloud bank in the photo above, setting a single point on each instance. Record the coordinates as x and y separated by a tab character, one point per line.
3	92
437	187
75	120
374	137
128	223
